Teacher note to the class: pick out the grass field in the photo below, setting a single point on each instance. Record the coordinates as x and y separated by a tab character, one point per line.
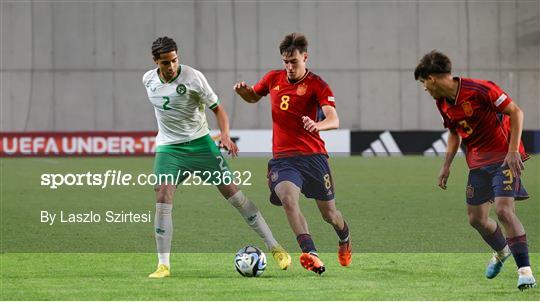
382	276
411	239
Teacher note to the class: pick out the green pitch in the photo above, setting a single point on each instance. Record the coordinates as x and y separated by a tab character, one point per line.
411	239
207	276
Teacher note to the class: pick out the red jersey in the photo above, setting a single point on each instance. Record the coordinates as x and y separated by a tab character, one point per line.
477	117
291	101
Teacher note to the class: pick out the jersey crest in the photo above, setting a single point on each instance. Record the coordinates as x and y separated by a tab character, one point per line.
467	108
181	89
302	88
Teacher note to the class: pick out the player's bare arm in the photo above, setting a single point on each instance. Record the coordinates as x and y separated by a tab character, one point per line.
223	124
454	140
513	158
246	92
329	123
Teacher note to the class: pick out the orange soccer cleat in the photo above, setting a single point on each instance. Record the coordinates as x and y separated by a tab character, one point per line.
345	253
311	262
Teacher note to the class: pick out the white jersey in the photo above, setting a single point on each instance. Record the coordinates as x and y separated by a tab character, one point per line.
179	105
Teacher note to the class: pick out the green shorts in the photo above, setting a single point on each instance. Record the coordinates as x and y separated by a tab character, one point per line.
197	158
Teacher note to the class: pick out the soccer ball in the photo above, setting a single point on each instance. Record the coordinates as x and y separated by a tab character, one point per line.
250	261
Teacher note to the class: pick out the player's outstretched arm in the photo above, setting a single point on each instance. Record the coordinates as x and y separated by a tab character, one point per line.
330	122
454	140
246	92
223	124
513	157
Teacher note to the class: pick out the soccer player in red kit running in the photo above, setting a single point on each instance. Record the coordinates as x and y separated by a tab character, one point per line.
300	161
490	124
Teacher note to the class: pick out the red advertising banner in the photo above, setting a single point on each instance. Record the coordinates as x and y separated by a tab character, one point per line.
76	143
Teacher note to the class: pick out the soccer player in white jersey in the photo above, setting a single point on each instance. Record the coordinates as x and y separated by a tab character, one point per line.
179	95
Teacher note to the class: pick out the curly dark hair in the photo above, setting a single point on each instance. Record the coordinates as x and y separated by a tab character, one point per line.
163	45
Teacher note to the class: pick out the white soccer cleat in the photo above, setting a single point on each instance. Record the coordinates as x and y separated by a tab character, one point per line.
525	278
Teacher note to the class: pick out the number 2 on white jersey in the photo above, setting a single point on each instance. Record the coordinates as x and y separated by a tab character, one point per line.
167	101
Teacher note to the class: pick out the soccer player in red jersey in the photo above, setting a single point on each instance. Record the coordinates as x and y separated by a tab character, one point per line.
483	116
300	161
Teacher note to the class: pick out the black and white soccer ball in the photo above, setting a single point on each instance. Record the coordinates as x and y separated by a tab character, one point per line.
250	261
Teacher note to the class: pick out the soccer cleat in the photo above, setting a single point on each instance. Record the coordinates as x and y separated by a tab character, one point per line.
525	279
311	262
495	265
281	256
345	253
161	272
